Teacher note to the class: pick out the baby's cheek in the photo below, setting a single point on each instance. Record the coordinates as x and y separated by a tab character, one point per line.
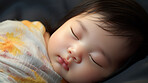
85	72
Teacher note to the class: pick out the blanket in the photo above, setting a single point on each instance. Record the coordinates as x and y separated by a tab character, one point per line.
23	55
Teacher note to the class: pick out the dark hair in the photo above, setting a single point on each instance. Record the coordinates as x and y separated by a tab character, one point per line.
125	18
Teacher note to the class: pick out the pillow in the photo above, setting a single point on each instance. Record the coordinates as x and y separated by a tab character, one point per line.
50	10
137	73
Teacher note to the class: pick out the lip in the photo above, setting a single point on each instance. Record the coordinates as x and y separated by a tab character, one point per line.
63	62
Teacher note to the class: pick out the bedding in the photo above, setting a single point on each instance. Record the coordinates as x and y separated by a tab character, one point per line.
23	55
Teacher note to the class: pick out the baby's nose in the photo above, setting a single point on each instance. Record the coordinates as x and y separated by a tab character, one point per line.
76	52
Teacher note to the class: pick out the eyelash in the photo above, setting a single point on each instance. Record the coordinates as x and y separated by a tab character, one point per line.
74	33
94	60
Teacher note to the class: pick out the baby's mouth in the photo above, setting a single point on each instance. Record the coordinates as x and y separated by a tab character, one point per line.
63	62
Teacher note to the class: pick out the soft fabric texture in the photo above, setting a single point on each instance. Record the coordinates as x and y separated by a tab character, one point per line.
23	55
50	10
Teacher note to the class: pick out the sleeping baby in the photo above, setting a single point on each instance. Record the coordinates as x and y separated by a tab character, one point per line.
95	41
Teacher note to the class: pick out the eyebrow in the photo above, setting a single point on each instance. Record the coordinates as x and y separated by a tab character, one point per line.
82	25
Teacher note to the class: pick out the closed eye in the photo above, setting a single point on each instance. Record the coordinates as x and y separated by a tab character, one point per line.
94	61
73	33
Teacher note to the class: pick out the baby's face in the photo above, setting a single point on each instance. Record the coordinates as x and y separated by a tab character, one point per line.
80	51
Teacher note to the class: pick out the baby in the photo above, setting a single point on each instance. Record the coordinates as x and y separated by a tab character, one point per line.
94	41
